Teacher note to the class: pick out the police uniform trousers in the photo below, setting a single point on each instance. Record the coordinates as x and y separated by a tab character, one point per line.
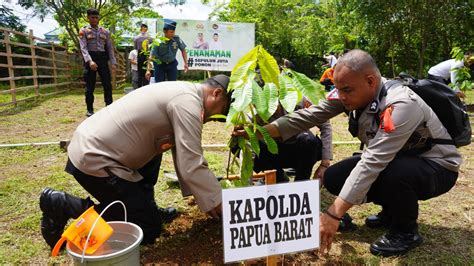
141	59
166	71
90	76
300	154
405	180
439	79
138	197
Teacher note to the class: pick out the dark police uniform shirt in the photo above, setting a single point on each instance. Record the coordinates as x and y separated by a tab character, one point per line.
95	40
410	114
166	51
139	39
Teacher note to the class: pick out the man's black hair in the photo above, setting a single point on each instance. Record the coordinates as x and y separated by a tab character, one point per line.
221	81
144	25
92	12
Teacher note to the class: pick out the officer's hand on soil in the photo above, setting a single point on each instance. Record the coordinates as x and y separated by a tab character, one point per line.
113	68
148	75
216	212
327	229
93	65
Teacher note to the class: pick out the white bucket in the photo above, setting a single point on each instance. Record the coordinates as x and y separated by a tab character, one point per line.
122	248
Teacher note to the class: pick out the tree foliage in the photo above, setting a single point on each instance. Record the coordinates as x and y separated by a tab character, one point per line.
9	20
402	35
252	102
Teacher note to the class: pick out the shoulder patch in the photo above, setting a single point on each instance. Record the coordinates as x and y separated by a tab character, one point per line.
333	95
386	122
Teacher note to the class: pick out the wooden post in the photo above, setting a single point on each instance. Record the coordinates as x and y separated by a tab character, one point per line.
33	63
270	179
11	72
55	73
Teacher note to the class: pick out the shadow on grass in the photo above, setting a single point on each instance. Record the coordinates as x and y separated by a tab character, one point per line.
37	101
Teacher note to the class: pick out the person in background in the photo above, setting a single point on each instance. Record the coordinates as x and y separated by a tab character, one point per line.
132	57
444	71
141	43
327	79
167	67
300	152
332	60
97	50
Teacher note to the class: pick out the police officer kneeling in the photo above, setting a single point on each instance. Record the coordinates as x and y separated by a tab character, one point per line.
393	171
116	155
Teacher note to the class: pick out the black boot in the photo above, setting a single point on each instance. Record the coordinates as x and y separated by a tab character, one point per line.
395	243
58	207
346	224
382	219
167	214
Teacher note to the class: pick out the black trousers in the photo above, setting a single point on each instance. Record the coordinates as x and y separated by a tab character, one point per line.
141	59
138	197
166	72
301	154
398	187
438	78
90	77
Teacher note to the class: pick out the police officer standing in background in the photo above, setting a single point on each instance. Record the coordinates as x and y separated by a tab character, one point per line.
97	50
140	43
167	67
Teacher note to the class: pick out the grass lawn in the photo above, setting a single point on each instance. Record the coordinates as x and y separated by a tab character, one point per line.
446	222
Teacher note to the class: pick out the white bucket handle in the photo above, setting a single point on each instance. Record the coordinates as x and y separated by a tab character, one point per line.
97	220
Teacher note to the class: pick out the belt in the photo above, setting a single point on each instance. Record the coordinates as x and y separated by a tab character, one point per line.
97	52
167	63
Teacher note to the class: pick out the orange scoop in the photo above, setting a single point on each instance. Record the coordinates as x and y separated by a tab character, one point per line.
78	231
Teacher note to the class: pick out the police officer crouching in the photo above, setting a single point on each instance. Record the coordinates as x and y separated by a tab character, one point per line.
97	50
393	170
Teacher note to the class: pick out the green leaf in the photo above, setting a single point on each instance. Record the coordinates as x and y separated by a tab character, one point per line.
239	75
270	92
259	101
253	140
268	66
232	117
271	144
243	96
246	170
308	87
217	116
288	94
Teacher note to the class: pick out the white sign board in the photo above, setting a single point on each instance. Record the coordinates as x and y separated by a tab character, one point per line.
213	45
261	221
